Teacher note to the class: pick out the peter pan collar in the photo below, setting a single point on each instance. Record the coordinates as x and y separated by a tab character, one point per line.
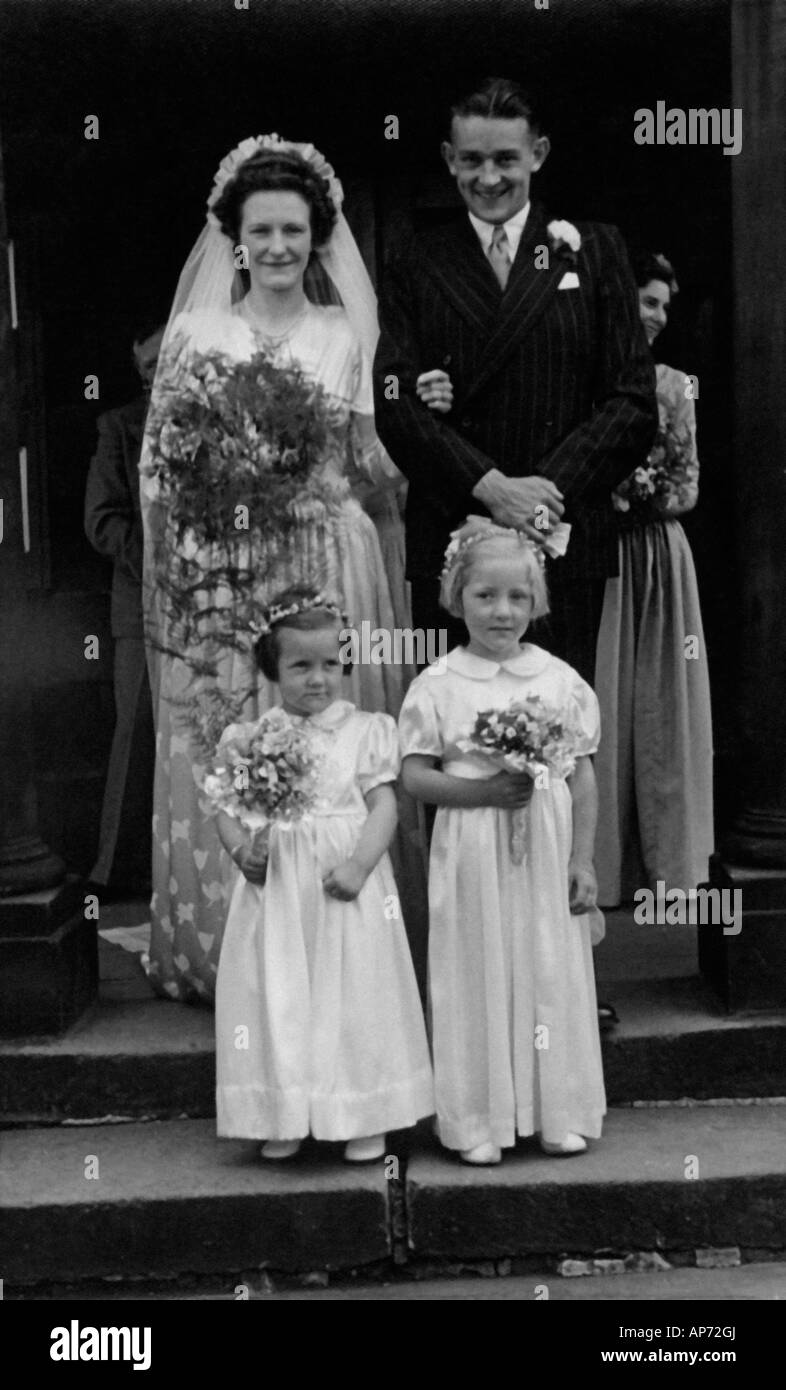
530	662
330	718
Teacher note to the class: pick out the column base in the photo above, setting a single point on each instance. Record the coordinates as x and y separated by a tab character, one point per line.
747	969
48	961
29	867
757	838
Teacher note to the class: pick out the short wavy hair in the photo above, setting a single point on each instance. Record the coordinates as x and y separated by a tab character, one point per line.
455	579
500	98
277	171
267	648
651	265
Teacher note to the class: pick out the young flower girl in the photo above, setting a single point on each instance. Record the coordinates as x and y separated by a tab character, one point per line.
319	1027
515	1036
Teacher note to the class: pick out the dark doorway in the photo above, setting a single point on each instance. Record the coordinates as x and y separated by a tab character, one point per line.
101	228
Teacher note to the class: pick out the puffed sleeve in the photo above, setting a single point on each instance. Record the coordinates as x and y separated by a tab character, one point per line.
583	715
418	723
378	754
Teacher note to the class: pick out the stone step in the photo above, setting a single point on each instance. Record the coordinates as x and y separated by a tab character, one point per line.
167	1199
135	1056
663	1178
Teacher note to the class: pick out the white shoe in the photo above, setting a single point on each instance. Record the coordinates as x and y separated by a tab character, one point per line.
571	1144
482	1153
365	1150
280	1148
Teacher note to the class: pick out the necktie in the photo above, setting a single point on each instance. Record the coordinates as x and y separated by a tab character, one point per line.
499	255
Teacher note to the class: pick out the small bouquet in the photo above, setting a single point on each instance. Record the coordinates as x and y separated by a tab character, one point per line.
264	772
527	736
667	483
226	434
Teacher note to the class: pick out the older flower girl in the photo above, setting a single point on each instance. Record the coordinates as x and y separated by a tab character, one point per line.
515	1034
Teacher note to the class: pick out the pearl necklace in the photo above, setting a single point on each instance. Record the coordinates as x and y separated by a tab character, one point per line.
273	338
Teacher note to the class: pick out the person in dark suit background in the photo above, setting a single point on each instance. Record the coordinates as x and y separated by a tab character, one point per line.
114	528
539	358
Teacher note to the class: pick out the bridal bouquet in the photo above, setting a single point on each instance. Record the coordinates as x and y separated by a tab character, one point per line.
227	434
527	736
264	772
666	483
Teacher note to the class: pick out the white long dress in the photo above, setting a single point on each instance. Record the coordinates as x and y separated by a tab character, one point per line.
514	1016
335	547
334	1042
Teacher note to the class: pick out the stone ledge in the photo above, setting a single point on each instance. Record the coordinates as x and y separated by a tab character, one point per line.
628	1193
172	1198
144	1057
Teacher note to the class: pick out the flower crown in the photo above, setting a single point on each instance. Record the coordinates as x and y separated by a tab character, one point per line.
460	544
230	164
277	612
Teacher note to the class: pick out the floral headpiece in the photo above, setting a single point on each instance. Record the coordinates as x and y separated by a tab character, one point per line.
460	544
277	612
230	164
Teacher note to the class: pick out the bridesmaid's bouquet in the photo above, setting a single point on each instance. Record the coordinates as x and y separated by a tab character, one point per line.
527	736
666	483
264	772
226	435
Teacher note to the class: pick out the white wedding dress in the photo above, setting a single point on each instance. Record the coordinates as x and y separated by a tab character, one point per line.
336	547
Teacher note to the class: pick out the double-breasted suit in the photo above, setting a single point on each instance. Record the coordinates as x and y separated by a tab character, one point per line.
552	381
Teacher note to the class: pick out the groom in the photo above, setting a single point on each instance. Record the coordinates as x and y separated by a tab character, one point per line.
536	324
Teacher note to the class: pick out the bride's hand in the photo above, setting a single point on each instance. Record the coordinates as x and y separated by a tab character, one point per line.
435	389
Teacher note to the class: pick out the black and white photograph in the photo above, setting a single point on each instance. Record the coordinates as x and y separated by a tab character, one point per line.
392	663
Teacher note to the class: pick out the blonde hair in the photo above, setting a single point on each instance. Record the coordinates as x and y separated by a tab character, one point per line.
476	537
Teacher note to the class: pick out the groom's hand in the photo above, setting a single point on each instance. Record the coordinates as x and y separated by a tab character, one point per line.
435	389
513	501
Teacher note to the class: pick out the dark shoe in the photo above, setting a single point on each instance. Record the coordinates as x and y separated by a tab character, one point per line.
607	1017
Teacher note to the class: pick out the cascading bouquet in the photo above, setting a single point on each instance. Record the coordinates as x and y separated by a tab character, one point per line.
666	484
225	434
264	772
526	736
235	448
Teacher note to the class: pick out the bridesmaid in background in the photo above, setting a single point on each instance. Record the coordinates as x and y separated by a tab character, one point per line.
654	765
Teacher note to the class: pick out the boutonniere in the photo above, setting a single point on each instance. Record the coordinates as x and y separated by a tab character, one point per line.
565	240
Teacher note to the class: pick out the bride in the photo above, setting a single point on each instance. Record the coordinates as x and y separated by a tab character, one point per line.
275	211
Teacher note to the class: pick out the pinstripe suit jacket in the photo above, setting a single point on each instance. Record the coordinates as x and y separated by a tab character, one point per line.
559	383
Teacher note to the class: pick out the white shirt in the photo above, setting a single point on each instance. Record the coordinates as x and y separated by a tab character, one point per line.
513	230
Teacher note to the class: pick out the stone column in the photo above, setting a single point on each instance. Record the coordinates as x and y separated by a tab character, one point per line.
750	968
48	956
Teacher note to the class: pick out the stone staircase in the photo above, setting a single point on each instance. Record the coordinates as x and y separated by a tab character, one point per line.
111	1170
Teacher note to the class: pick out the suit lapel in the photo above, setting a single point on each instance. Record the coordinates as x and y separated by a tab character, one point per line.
465	277
528	292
